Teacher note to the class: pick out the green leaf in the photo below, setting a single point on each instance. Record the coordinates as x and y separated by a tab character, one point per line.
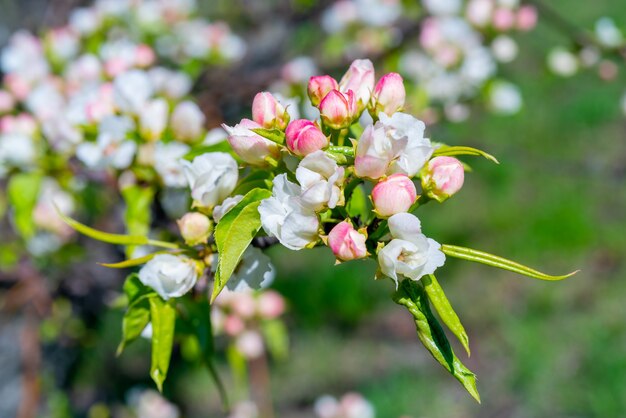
137	216
134	322
446	150
274	135
130	263
23	192
234	233
276	338
359	205
118	239
163	317
499	262
412	295
134	289
442	305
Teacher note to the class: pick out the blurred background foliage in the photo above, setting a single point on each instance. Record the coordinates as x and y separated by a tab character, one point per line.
557	200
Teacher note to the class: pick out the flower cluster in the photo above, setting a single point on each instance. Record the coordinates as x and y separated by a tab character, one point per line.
351	405
109	89
351	178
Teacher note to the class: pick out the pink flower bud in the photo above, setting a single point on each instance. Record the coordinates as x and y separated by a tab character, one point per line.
319	87
7	102
395	194
270	304
338	109
243	305
526	18
268	112
503	19
389	94
347	243
249	146
304	137
233	325
360	79
442	177
195	228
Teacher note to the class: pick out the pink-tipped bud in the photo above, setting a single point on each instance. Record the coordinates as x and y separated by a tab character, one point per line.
442	177
268	112
250	146
304	137
195	228
338	110
233	325
359	78
395	194
320	86
270	304
526	18
7	102
389	94
346	242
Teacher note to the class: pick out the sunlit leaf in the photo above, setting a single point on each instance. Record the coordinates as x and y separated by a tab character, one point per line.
234	233
23	191
412	295
499	262
137	214
449	151
444	309
163	318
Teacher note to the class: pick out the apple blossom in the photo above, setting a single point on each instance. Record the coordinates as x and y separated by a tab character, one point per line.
304	137
250	344
153	119
338	109
285	217
360	79
212	177
187	121
319	86
394	194
409	254
167	163
442	177
169	275
195	228
250	146
268	112
321	180
346	242
389	94
131	90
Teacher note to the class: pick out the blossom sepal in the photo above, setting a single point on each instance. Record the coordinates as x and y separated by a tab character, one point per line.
274	135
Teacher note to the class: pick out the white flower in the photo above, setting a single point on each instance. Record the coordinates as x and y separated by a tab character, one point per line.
169	275
111	149
283	216
320	179
608	33
410	253
220	210
211	177
443	7
187	121
153	118
250	344
131	91
417	151
167	162
17	150
394	144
